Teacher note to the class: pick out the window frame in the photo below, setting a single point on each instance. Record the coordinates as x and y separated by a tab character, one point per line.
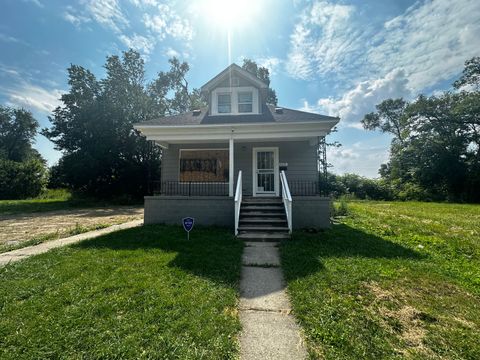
239	103
218	102
233	91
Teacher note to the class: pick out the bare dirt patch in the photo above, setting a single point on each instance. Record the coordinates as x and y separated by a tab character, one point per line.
17	229
401	319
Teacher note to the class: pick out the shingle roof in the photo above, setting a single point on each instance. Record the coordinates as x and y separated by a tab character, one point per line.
269	115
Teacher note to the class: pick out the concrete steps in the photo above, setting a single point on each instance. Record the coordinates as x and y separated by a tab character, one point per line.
263	236
262	219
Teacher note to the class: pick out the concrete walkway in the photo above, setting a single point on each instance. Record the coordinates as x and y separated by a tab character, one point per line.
269	330
23	253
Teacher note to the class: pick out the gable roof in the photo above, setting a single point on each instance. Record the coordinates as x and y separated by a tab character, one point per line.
234	68
268	115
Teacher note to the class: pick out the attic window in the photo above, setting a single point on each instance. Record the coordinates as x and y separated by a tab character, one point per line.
245	102
224	103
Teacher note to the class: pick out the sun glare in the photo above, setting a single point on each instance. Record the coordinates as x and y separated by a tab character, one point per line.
231	14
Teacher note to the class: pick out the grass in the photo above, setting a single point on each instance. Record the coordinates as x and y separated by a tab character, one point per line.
55	199
138	293
389	281
77	229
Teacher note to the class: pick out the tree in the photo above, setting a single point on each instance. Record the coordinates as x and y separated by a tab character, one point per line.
470	74
102	153
263	74
17	132
389	118
22	170
435	151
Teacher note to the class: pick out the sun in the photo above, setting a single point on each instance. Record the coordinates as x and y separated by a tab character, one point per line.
229	14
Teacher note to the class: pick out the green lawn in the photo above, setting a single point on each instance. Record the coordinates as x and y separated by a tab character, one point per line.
56	199
391	280
139	293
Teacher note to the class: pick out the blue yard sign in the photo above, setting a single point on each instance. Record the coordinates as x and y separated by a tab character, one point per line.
188	225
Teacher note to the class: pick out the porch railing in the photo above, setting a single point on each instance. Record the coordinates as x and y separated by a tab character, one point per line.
190	188
287	199
238	201
307	188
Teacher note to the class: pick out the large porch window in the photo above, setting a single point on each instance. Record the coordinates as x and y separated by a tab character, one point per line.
204	165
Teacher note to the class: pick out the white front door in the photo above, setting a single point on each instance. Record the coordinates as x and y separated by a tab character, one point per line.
265	171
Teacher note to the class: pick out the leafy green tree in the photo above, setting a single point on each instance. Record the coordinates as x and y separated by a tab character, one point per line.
263	74
470	74
18	128
435	151
389	118
102	153
22	179
22	170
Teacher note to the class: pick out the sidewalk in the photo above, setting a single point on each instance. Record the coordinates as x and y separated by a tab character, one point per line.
23	253
269	330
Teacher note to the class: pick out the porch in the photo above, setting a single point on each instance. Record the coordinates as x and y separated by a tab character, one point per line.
196	181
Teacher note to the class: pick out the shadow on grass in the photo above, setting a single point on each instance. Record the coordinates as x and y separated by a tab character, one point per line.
303	255
211	252
22	208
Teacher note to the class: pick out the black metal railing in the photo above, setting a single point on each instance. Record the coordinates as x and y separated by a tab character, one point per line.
189	188
306	188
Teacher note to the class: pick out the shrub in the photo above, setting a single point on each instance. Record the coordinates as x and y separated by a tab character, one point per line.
20	180
342	208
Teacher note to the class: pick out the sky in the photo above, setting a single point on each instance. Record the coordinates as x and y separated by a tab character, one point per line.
337	58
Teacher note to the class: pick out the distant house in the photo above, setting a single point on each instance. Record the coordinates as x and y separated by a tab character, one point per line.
240	162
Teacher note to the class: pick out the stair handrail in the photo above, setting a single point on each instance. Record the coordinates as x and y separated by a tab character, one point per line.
287	199
238	200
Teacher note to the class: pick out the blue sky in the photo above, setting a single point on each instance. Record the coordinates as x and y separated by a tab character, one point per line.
333	57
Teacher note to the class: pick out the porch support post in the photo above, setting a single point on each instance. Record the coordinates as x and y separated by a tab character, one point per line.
231	169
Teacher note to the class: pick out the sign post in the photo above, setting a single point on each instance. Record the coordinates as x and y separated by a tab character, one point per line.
188	225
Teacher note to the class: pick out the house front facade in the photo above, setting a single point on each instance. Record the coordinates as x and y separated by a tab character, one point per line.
239	159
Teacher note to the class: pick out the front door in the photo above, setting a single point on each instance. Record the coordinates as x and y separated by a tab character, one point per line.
265	171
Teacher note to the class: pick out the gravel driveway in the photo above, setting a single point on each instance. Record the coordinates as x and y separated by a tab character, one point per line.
18	228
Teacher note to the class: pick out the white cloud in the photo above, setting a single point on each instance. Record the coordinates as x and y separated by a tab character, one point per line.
159	20
140	3
325	34
9	70
166	22
73	17
107	13
354	104
33	97
416	50
35	2
170	52
271	63
430	41
138	42
361	158
8	38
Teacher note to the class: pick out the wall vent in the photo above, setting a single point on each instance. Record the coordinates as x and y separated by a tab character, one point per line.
279	110
197	112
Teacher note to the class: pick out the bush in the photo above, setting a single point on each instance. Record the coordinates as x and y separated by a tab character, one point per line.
20	180
342	208
359	187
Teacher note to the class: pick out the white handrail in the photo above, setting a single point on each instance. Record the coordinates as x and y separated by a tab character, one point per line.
238	200
287	199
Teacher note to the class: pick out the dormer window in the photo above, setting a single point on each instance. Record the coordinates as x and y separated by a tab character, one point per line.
245	102
224	103
242	100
